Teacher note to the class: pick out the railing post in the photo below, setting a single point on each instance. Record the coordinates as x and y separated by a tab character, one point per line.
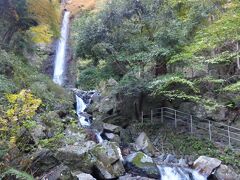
142	117
229	137
151	115
191	123
162	114
175	118
210	132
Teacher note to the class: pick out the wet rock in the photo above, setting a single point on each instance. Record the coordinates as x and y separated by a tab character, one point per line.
206	165
170	159
143	165
110	128
109	160
160	159
84	176
182	162
77	157
144	144
131	177
60	173
225	173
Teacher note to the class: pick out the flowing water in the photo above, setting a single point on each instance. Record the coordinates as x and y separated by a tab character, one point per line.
60	59
179	173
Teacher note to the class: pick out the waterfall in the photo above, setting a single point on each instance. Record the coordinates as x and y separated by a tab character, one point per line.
59	66
81	106
178	173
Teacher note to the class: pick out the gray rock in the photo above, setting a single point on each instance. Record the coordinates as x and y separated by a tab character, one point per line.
206	165
224	172
42	161
109	160
112	137
144	144
111	128
60	173
142	164
77	157
84	176
170	159
130	177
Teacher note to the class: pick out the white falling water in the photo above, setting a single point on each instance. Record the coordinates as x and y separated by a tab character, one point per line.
177	173
81	106
59	67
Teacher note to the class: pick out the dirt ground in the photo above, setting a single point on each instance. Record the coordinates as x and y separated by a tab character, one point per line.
74	6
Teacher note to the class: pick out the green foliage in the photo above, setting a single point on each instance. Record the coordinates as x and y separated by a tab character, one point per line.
17	174
233	88
6	85
53	142
22	75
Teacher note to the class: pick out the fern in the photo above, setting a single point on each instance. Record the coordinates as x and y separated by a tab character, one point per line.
18	174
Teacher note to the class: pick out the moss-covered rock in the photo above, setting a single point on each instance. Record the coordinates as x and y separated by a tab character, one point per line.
143	165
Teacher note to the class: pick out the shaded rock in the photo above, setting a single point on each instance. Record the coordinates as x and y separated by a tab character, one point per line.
77	157
110	128
130	177
160	159
109	160
42	162
225	173
143	165
206	165
144	144
170	159
84	176
112	137
60	173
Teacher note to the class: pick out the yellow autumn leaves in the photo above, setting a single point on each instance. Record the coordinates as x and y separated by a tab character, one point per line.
47	13
22	107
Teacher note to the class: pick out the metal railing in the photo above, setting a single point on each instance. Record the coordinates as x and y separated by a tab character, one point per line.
203	128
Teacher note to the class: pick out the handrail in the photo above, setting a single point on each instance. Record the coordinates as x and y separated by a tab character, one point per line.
192	122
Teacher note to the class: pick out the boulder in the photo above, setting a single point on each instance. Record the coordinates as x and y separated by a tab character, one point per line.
112	137
225	173
144	144
142	164
84	176
42	162
109	163
110	128
206	165
104	160
60	173
77	157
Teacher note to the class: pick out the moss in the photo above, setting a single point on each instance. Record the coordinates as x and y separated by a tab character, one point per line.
137	159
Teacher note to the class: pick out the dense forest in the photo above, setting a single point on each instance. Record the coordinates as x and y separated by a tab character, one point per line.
139	55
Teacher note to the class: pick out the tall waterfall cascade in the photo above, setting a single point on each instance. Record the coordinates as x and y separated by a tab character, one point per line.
60	60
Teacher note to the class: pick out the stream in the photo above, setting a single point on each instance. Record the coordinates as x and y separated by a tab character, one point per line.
84	99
